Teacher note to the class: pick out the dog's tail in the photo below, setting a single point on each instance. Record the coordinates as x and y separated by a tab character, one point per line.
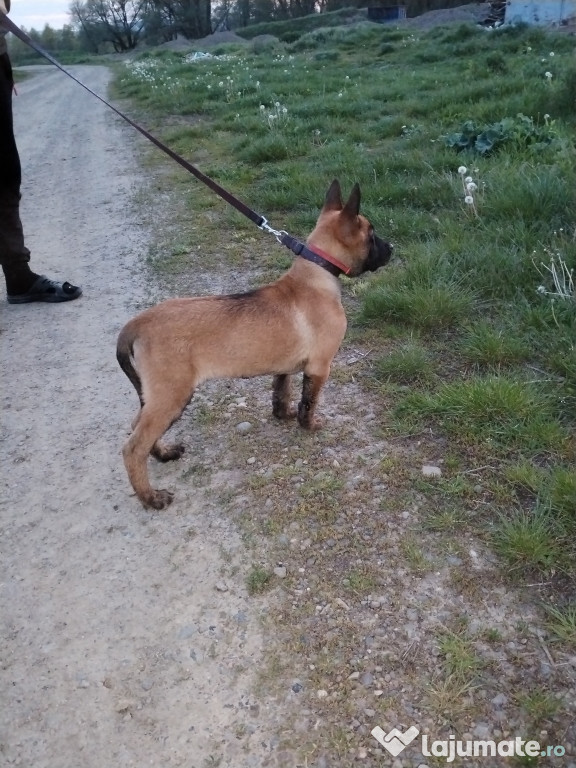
125	357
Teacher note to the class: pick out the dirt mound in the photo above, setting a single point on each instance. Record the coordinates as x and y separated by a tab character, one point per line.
217	38
462	14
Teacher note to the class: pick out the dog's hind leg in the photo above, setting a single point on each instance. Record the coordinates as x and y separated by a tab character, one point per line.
161	450
158	413
282	406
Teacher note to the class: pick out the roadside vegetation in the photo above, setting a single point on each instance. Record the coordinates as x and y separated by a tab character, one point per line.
462	140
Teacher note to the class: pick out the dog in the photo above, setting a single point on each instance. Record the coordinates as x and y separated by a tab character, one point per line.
293	325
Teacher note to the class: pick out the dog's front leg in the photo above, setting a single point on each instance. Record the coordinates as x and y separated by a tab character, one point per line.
282	406
311	387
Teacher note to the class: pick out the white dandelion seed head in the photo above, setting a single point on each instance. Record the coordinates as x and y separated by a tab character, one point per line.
462	170
551	53
541	289
262	107
468	179
469	200
548	75
471	187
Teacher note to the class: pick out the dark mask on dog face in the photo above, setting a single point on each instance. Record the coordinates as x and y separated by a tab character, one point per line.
379	254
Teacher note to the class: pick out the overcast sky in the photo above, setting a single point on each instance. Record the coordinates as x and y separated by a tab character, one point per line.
37	13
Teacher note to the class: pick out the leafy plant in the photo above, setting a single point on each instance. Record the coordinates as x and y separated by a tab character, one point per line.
520	131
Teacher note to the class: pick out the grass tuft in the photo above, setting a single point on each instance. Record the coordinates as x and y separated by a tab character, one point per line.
529	541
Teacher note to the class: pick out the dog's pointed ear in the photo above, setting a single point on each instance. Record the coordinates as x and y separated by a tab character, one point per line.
333	201
352	207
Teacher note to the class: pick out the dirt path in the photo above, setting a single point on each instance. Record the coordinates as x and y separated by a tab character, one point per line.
128	638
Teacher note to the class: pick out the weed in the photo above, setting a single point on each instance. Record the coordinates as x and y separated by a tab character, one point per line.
460	660
521	132
562	624
449	698
540	705
258	580
414	556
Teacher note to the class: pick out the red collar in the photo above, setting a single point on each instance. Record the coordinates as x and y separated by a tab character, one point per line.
315	255
327	257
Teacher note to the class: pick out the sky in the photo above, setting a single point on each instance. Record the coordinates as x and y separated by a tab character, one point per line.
37	13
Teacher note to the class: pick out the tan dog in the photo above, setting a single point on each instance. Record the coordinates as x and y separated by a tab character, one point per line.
295	324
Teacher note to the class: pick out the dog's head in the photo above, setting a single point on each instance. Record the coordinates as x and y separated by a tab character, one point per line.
343	232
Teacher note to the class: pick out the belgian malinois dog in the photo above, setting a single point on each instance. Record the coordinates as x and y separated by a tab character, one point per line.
293	325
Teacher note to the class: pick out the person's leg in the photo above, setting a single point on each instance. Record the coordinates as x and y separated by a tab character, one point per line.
22	284
14	256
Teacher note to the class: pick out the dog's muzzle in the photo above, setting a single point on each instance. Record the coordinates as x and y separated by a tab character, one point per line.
379	254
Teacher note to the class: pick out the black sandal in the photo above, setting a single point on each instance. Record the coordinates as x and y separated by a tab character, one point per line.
44	289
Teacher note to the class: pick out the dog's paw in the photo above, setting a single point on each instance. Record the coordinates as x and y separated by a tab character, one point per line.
285	412
159	499
168	452
313	424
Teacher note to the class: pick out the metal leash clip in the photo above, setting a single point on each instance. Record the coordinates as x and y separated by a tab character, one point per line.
278	233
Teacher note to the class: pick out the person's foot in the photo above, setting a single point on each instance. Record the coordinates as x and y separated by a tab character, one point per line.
43	289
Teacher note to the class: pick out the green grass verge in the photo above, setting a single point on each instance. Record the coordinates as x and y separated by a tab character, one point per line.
473	338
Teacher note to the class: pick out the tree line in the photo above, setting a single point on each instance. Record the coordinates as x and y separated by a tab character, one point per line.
99	26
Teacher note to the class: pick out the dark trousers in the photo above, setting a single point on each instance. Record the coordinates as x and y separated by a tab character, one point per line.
12	248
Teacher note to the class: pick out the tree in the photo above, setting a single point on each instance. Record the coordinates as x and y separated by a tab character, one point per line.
115	21
191	18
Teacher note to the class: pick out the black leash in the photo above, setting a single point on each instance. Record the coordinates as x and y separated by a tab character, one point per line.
295	246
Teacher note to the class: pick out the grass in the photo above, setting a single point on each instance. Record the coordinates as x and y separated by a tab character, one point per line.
466	361
530	541
411	362
258	580
461	663
504	412
562	624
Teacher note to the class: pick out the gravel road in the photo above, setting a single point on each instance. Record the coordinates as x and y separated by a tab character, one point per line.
128	638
